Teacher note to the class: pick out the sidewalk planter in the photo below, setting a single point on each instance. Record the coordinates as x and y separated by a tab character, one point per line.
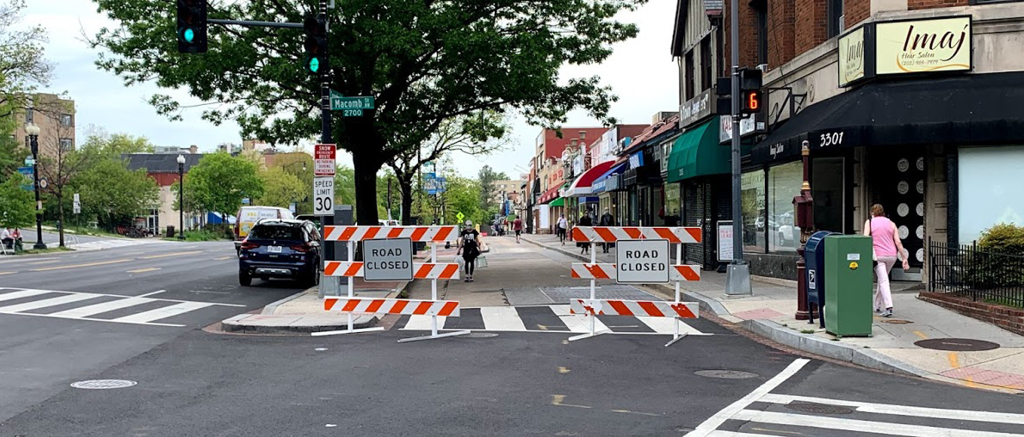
848	285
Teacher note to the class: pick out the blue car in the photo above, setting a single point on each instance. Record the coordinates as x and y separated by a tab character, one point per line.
278	248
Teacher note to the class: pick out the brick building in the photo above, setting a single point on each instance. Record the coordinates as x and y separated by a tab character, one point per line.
55	117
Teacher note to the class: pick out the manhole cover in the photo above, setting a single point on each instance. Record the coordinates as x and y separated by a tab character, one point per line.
481	335
725	374
103	384
896	321
957	344
815	408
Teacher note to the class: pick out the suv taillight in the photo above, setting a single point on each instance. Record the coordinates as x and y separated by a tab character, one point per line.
246	245
301	247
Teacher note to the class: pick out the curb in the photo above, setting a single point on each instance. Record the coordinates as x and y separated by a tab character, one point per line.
235	325
784	336
271	307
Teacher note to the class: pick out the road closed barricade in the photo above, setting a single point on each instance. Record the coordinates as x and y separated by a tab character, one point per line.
387	256
643	256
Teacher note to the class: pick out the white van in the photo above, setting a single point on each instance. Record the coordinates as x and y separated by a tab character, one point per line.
249	215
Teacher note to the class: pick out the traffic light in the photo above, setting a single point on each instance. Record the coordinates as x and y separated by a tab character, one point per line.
316	45
750	91
191	26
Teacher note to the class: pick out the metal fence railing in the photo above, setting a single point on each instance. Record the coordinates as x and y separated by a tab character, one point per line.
966	270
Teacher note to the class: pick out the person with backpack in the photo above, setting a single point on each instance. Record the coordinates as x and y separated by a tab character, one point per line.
469	248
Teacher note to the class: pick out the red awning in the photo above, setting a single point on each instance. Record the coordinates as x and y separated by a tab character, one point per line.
549	195
582	185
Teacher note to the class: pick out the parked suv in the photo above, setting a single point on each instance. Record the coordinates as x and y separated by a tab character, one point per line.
277	248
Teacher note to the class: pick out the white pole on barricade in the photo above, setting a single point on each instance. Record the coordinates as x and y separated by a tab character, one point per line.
433	296
350	329
679	261
593	297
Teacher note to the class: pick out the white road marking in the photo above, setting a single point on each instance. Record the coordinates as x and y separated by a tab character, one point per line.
152	293
717	433
90	310
501	319
886	428
901	410
667	325
36	304
705	429
163	313
20	294
576	323
173	325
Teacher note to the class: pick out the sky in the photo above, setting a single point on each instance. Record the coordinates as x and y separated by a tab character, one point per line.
641	73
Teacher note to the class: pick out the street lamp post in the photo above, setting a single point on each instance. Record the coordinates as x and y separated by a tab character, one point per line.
804	203
181	196
33	134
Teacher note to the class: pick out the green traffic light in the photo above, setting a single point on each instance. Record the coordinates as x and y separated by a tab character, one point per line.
314	65
189	35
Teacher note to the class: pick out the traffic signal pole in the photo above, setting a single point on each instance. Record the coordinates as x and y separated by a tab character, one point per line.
737	280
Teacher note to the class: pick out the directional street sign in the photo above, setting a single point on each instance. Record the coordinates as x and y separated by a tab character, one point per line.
387	259
642	261
323	195
350	106
27	171
323	159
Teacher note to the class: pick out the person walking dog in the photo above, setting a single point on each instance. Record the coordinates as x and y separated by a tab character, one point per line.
888	248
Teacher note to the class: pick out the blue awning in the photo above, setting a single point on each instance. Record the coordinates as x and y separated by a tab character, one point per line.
599	183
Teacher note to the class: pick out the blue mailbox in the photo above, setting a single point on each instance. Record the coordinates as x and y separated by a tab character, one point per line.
814	258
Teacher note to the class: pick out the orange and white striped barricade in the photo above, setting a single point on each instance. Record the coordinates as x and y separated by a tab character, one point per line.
679	272
432	270
635	308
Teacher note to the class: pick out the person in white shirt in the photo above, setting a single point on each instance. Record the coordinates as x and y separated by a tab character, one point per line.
562	227
7	238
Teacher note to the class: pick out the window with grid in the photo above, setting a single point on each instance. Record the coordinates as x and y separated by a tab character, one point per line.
65	119
65	143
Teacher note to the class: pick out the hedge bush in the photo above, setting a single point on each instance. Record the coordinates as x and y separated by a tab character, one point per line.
999	261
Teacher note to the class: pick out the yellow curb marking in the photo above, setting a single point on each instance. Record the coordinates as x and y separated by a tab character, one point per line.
563	370
954	361
223	258
75	266
7	273
150	269
921	334
556	400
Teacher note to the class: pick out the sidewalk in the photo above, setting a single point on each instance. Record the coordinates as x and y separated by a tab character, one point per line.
770	312
303	312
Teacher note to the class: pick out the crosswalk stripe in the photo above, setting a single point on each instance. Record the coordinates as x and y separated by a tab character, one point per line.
163	313
666	325
501	319
901	410
90	310
36	304
720	433
885	428
20	294
422	323
575	323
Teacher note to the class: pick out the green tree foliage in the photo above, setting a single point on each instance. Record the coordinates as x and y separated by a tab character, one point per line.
114	145
1004	238
281	188
300	165
114	194
219	183
462	195
423	61
344	186
22	66
16	205
486	178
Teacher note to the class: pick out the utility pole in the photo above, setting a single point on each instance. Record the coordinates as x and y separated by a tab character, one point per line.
737	280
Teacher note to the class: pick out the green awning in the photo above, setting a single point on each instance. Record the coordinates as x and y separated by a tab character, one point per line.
558	202
697	153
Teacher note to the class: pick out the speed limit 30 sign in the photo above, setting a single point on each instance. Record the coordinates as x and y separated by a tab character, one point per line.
323	196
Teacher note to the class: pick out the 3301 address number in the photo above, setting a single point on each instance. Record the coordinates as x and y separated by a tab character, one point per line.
831	139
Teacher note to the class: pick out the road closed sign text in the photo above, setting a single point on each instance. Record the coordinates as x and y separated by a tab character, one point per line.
387	259
642	261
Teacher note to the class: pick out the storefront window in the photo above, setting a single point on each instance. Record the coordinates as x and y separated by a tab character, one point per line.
672	204
783	184
753	211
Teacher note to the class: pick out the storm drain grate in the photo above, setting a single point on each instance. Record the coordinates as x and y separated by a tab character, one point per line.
815	408
896	321
957	344
725	374
103	384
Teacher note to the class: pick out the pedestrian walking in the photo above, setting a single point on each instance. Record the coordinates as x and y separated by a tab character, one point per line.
517	225
585	220
606	220
561	226
887	248
469	247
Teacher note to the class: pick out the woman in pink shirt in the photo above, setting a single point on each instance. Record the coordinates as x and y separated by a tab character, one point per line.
887	249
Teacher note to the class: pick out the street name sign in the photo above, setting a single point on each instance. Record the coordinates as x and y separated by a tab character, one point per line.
323	195
387	259
350	106
642	261
323	159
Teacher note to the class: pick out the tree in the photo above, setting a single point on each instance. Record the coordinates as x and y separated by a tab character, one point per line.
115	145
219	182
462	195
299	165
22	66
281	188
486	178
59	162
424	62
17	207
113	193
344	186
471	134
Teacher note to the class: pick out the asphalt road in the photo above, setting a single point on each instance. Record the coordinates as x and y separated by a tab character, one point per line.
51	338
196	383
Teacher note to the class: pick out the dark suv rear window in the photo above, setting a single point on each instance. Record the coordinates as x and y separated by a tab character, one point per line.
271	232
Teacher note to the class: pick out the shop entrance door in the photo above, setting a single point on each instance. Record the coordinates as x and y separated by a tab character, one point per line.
897	182
828	188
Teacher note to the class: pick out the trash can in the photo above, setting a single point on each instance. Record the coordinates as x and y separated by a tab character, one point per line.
814	259
848	285
170	232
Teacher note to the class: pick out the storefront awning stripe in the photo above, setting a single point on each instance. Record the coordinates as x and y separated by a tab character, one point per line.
966	109
697	153
557	202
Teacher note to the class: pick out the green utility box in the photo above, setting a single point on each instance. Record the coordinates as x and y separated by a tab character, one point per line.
848	285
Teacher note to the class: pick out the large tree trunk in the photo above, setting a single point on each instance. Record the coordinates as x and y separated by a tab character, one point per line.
60	218
366	165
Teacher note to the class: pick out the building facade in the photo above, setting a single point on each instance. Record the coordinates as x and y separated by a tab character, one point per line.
163	168
55	117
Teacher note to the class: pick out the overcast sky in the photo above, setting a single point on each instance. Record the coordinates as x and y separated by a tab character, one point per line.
641	72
